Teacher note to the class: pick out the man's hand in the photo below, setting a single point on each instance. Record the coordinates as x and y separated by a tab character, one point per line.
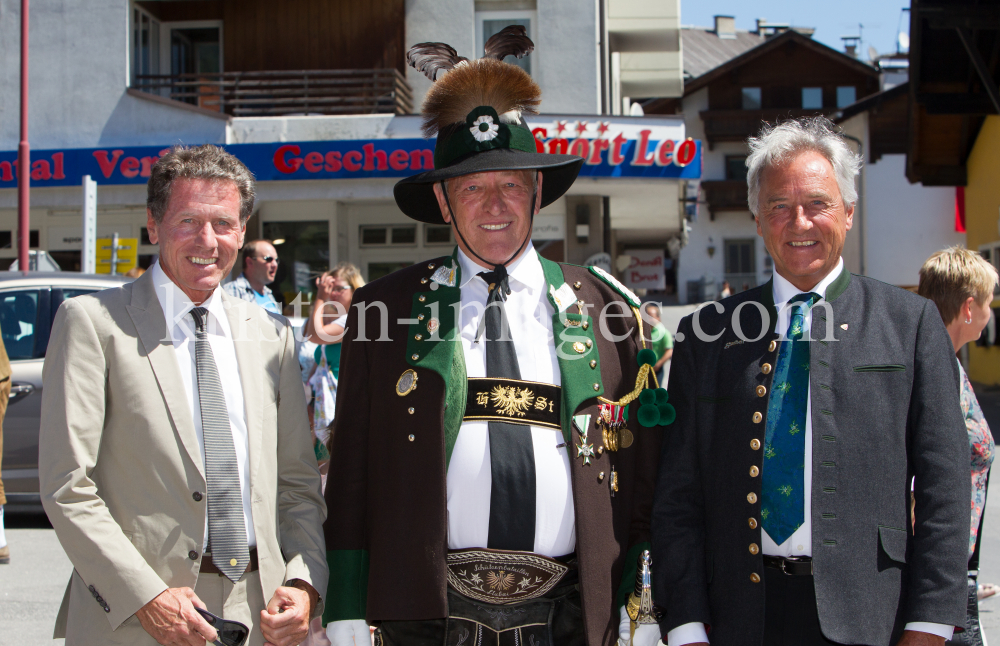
285	622
914	638
171	619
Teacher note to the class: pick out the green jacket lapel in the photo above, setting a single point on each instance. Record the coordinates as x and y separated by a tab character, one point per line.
438	348
569	328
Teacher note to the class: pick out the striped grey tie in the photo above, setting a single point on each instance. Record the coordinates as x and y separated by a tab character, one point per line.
227	534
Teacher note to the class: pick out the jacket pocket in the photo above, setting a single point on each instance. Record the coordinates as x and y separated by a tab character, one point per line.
880	367
893	541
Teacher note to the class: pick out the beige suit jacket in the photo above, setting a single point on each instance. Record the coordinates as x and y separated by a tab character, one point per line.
119	461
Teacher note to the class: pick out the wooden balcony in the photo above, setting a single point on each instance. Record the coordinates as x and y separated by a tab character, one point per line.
725	195
739	125
278	93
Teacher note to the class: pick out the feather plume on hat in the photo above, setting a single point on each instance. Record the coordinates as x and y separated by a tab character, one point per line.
474	109
462	85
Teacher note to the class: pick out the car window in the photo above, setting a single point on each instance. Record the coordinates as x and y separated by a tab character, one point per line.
19	322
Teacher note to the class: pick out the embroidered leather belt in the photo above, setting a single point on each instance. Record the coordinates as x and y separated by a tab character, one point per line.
793	566
514	401
502	577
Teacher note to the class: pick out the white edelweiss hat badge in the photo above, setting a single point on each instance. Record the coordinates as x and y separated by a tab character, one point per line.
483	128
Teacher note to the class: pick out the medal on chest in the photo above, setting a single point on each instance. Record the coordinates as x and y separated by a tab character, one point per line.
611	419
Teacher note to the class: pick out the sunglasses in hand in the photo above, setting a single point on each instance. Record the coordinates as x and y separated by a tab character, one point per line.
231	633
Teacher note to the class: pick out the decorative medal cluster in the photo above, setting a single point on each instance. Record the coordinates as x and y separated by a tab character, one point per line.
611	419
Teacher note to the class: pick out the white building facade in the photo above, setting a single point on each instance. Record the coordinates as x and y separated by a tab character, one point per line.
325	180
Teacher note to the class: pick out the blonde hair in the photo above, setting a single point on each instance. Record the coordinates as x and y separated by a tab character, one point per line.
951	276
348	273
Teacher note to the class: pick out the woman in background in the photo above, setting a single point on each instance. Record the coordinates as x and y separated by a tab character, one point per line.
325	327
961	284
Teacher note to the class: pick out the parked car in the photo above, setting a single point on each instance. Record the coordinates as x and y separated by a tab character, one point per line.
28	304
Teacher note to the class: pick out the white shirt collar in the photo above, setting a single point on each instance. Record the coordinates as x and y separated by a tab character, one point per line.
176	305
784	290
526	270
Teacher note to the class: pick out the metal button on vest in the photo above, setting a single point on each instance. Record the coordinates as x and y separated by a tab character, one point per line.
585	325
766	368
755	444
593	364
418	337
754	548
420	317
771	346
421	298
411	410
414	356
757	417
597	386
193	555
753	523
430	266
577	284
754	577
761	391
412	437
423	281
754	472
751	498
197	496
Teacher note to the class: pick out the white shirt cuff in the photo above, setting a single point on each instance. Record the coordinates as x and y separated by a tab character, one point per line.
940	630
692	633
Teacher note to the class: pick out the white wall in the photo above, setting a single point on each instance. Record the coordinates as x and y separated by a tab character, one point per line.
906	222
438	21
568	60
77	82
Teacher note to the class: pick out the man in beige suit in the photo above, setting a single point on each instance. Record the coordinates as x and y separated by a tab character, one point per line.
175	457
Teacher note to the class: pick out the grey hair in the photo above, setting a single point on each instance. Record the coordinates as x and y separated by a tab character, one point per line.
777	144
206	162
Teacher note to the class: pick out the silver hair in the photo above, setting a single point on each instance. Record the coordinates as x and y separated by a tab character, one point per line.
777	144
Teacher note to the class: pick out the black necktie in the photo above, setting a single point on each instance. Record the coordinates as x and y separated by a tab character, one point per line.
512	455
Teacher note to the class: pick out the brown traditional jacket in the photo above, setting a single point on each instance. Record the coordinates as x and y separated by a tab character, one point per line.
386	530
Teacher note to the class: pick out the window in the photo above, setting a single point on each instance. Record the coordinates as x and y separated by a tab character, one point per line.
751	98
846	95
304	250
489	23
396	235
437	234
991	253
740	267
145	45
18	320
195	51
736	167
812	98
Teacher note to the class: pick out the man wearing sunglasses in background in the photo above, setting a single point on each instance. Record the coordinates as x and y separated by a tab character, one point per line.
260	264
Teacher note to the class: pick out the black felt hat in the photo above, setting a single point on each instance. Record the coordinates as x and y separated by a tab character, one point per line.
476	111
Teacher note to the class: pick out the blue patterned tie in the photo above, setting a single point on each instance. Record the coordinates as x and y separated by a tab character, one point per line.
782	509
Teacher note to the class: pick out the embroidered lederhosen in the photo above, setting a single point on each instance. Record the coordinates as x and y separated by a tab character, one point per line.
551	618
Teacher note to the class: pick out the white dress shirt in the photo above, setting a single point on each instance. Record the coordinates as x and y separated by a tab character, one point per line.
800	542
469	474
176	308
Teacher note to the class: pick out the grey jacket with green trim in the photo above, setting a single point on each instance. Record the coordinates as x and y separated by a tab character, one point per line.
387	532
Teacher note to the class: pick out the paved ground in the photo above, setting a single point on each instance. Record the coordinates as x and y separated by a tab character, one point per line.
31	587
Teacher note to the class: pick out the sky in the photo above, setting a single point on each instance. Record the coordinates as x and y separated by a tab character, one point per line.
881	19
